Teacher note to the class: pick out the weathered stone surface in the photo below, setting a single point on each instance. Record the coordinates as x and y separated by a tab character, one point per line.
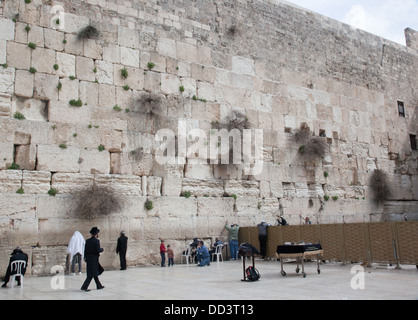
24	84
242	188
7	77
122	184
37	182
11	181
56	159
71	182
200	188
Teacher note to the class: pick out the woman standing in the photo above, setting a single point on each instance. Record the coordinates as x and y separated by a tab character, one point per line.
92	252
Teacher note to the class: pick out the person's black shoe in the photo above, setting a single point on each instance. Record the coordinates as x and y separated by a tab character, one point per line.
102	287
4	285
86	290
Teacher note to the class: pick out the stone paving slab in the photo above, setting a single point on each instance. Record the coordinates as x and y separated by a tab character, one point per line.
222	281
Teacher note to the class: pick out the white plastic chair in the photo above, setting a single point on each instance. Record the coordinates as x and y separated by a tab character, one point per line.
218	252
186	253
16	268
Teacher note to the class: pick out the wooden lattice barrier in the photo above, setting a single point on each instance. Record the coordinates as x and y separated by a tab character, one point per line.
332	241
382	242
407	240
355	243
387	242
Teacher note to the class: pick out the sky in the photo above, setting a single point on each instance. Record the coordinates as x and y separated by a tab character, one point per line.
385	18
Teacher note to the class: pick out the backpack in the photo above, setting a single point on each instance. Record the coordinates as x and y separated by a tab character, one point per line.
252	274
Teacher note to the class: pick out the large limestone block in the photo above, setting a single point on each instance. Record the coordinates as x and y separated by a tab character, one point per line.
17	206
32	109
54	39
66	64
84	68
123	184
46	258
71	182
216	207
104	72
3	52
200	188
129	57
242	188
94	161
24	83
128	37
187	52
5	104
43	60
62	112
46	86
25	156
7	29
153	185
36	182
7	77
10	180
89	93
69	90
167	47
242	65
56	159
18	55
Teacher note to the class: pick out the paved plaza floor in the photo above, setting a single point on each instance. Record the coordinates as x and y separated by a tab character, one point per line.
222	281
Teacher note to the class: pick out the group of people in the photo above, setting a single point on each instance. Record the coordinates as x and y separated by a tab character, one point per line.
90	249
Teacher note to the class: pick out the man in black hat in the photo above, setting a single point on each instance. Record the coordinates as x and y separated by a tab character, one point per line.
17	254
92	252
121	248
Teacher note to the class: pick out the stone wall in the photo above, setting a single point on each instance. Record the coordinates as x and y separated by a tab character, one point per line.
198	61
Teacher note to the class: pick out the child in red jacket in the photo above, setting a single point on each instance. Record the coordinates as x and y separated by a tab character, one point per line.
162	253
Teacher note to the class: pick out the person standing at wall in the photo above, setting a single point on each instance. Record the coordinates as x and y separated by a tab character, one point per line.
121	248
76	251
233	239
92	252
162	253
262	237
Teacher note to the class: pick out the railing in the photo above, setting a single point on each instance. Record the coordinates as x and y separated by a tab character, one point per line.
386	242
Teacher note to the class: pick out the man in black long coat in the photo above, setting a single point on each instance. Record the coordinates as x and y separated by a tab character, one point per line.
92	252
17	254
121	248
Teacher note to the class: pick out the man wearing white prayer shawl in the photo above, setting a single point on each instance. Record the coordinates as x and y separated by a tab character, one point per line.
76	251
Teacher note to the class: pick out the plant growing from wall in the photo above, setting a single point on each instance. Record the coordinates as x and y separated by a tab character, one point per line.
19	116
150	65
76	103
13	166
311	148
88	32
20	191
379	184
53	192
149	104
32	45
96	201
187	194
124	73
148	205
